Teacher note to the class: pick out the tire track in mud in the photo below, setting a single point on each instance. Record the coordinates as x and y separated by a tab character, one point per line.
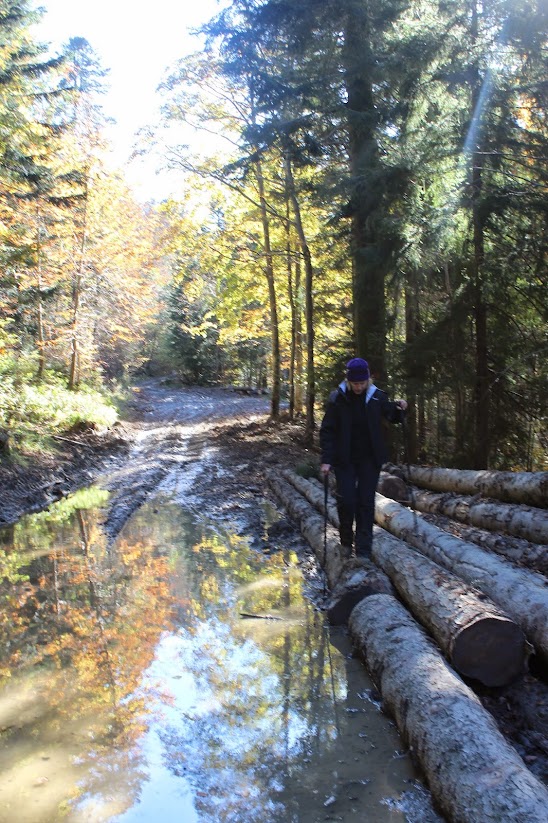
167	457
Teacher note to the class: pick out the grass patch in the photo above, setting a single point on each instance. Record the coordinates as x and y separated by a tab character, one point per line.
32	412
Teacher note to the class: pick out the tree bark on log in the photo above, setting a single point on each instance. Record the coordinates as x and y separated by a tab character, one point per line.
360	578
479	640
311	523
522	593
530	488
313	491
350	579
518	551
522	521
390	485
473	773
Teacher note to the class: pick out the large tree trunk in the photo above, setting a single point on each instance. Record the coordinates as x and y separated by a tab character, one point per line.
415	376
362	117
479	640
309	304
77	291
521	592
313	491
521	521
292	292
473	147
273	303
530	488
299	357
40	332
473	773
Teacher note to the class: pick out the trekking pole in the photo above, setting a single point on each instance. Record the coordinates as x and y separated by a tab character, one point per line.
325	491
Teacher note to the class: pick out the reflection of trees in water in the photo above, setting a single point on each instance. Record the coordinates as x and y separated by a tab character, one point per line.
265	690
91	618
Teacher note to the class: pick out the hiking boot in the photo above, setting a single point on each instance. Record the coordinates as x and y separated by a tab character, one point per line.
364	551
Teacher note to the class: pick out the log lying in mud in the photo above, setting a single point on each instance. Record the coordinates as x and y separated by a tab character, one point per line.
313	491
360	578
311	524
482	642
479	640
473	773
519	551
522	593
350	579
522	521
530	488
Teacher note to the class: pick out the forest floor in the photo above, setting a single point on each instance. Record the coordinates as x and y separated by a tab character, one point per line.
224	444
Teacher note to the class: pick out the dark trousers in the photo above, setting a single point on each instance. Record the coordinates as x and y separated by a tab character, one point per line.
356	486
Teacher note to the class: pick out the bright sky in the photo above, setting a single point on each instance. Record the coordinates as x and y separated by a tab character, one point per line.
137	42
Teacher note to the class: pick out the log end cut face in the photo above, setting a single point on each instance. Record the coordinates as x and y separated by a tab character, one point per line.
492	651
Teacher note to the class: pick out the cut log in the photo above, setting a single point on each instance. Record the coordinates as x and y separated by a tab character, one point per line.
481	642
478	639
530	488
360	578
518	551
522	593
313	490
350	579
522	521
473	773
390	485
331	556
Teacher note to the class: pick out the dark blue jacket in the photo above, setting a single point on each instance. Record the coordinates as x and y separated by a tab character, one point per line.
336	428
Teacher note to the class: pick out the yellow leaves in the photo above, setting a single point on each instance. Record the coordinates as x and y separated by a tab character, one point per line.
209	589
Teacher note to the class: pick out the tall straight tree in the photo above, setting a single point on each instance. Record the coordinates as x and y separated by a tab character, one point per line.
84	82
26	147
210	95
340	94
369	267
308	291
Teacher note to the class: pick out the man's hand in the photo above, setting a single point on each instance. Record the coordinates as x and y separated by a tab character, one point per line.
325	468
402	404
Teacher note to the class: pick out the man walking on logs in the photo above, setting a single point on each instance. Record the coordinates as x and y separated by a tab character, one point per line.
352	443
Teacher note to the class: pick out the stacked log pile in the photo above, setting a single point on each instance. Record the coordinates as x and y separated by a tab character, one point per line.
517	532
530	488
523	593
432	606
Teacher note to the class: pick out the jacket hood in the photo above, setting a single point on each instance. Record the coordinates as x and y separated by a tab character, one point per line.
343	388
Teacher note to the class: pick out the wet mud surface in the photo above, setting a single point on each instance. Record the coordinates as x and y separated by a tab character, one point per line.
162	640
212	448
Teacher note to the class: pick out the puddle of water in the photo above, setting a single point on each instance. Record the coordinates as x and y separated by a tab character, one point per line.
179	675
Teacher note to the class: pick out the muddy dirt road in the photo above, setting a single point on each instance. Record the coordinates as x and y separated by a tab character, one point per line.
176	439
164	655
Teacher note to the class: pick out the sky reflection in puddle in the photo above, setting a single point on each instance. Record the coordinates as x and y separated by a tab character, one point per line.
179	676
